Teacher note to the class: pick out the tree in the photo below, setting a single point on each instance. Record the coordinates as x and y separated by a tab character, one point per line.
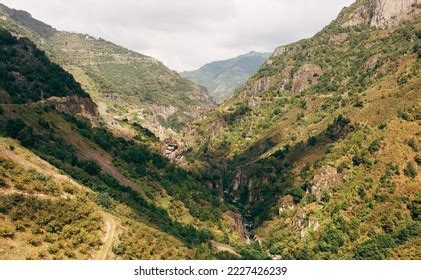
90	166
14	126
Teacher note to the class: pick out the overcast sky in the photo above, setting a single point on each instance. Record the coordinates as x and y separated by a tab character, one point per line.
185	34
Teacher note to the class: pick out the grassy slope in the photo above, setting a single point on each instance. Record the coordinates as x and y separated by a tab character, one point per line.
48	215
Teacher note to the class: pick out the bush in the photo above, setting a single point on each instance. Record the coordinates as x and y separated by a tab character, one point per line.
7	231
415	208
297	193
104	200
238	112
312	141
383	125
253	252
344	165
417	159
338	128
410	170
413	144
2	183
358	159
375	249
331	239
375	146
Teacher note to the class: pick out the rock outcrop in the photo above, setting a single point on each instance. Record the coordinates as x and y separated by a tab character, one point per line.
384	13
327	177
82	107
391	12
173	150
305	77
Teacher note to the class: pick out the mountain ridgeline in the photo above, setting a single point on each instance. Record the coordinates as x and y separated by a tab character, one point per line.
315	156
222	78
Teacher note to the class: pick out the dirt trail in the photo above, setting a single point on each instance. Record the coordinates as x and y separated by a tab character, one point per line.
110	234
29	160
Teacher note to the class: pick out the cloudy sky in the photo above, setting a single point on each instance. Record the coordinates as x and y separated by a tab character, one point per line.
185	34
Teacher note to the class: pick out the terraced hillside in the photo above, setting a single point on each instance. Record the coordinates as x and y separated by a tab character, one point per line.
127	86
324	138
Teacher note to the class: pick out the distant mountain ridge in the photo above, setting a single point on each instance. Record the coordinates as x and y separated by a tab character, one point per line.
28	21
223	77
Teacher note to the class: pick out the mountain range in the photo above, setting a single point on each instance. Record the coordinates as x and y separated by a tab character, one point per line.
315	156
223	77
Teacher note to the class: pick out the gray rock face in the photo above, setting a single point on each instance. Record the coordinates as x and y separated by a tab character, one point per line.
391	12
305	77
384	13
173	150
328	177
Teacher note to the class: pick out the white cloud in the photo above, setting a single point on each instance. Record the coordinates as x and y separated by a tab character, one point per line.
186	34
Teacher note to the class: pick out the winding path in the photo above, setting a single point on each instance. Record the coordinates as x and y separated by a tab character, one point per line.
110	234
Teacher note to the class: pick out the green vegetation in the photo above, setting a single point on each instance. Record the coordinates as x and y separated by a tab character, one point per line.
26	75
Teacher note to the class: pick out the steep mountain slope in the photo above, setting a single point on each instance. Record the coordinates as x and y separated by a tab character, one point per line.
222	78
126	85
71	190
324	138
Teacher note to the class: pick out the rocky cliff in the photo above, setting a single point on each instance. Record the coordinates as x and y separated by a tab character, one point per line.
383	13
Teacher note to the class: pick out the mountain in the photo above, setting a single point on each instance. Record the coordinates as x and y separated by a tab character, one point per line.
70	189
127	86
223	77
316	156
320	148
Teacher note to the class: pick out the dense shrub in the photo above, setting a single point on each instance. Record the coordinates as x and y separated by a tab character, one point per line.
410	170
297	192
14	126
339	127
